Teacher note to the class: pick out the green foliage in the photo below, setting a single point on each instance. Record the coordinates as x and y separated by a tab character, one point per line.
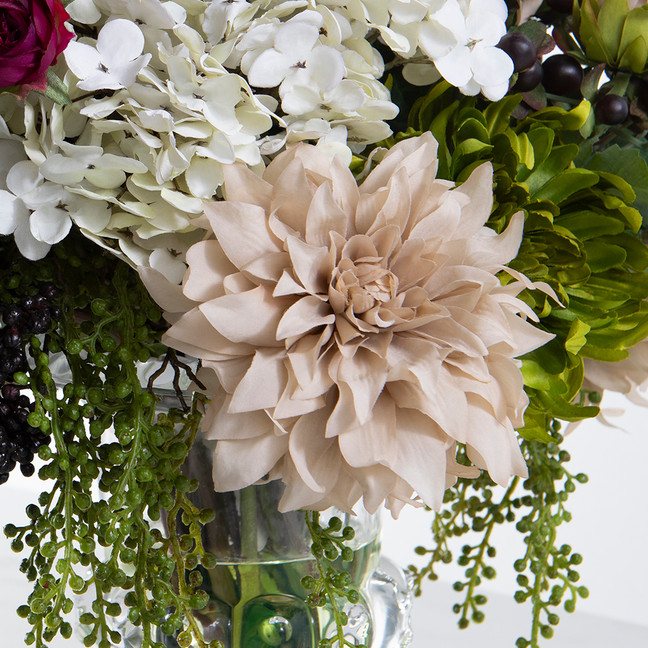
333	587
613	34
106	436
547	572
581	235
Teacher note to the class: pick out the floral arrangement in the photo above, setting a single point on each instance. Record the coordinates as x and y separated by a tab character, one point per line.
388	247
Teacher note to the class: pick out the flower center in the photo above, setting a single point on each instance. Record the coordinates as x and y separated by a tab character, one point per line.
365	283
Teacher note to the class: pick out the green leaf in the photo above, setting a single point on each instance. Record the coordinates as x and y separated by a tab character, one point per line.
602	256
636	250
636	26
634	55
498	113
57	90
628	164
606	355
569	182
590	34
611	20
577	336
563	409
590	224
557	161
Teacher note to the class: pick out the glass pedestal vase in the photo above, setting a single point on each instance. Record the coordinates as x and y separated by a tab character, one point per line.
256	594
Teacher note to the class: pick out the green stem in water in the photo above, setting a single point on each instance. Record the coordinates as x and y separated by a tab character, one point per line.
248	578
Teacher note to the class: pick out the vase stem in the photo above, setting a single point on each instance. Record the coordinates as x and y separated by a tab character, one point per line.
248	578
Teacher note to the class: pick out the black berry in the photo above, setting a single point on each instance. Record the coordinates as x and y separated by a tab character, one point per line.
562	75
528	79
611	109
519	47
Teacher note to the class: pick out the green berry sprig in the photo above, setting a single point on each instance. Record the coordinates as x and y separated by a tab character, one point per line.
547	571
469	507
106	436
333	586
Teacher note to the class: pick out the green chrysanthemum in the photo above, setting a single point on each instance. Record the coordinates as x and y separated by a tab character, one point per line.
581	237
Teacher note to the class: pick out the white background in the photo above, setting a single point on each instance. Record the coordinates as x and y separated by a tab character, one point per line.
610	530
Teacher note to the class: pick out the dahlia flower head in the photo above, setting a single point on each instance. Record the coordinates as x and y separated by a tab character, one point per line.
358	333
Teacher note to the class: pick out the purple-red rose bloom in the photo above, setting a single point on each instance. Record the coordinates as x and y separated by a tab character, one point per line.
32	35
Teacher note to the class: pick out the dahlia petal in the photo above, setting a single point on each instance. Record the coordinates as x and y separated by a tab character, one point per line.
167	295
251	317
312	453
221	424
243	185
261	386
421	456
208	267
366	445
243	462
241	231
493	447
304	315
416	154
192	334
312	265
324	216
365	376
492	251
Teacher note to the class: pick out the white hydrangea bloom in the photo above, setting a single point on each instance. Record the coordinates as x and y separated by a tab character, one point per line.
455	39
40	213
114	62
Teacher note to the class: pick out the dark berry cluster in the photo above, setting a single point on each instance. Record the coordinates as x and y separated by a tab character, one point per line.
19	441
526	63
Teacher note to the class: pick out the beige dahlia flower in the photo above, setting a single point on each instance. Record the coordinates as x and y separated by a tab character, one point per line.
358	333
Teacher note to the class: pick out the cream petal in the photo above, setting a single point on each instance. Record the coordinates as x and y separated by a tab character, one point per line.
168	296
288	286
344	186
223	424
243	185
193	334
292	195
262	385
396	208
376	482
312	265
493	447
314	456
365	376
208	267
491	252
369	206
243	462
230	371
304	315
409	264
375	441
421	456
478	189
324	216
241	231
413	154
251	317
309	364
343	417
295	402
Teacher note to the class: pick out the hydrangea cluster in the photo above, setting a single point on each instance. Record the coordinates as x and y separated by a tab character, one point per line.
165	94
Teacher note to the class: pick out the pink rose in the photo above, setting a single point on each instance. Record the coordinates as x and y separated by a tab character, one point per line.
32	35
